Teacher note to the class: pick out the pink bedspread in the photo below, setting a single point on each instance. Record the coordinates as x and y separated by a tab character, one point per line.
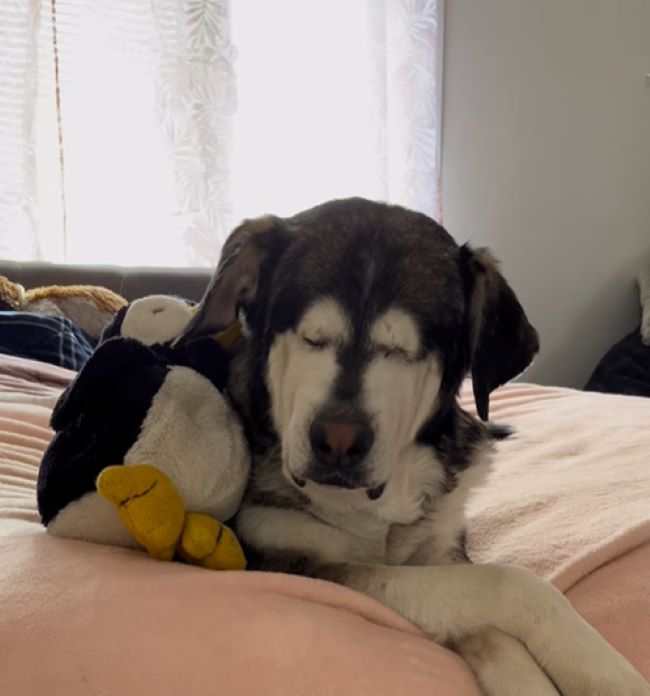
80	619
567	499
570	499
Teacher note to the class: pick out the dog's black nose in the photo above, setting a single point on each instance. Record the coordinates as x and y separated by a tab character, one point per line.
340	444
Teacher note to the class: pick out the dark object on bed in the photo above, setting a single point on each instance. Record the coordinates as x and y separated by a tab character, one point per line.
624	369
55	340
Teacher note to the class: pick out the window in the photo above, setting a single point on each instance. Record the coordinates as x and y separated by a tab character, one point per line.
174	120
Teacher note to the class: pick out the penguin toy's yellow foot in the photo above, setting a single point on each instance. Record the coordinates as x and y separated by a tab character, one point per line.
210	544
148	504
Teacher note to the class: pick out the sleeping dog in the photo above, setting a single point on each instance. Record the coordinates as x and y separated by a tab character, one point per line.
362	321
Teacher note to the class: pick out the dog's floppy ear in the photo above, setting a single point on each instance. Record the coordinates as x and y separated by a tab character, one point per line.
502	341
242	275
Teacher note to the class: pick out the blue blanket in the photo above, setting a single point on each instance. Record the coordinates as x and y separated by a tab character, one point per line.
55	340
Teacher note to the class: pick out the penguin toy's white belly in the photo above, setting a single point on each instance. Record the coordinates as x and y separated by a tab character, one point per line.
191	434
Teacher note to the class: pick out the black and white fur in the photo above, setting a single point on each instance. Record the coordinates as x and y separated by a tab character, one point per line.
139	401
364	319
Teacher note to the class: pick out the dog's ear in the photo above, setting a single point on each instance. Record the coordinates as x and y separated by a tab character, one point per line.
242	277
502	341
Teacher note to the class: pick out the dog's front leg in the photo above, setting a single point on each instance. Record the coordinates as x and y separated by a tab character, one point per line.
503	665
454	602
500	662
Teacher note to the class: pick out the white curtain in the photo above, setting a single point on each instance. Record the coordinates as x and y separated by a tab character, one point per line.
141	131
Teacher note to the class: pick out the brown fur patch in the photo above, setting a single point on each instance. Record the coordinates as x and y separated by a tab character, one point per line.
104	299
12	295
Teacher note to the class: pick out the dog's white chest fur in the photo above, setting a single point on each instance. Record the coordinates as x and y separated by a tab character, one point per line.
412	517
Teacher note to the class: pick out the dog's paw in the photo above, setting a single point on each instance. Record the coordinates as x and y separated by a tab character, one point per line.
587	665
574	655
503	665
611	677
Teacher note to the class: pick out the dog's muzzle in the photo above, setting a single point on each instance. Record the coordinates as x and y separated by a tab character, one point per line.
339	447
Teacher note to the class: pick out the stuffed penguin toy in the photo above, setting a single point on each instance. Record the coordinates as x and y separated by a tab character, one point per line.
147	450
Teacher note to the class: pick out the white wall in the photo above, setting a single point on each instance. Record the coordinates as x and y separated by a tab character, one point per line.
546	159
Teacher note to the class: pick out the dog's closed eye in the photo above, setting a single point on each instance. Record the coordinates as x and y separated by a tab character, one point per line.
396	352
317	343
324	325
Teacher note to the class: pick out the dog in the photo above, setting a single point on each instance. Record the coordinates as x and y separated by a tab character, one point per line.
362	321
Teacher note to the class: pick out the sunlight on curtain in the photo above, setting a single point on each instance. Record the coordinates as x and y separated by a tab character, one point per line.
18	65
308	124
336	98
119	189
180	117
144	137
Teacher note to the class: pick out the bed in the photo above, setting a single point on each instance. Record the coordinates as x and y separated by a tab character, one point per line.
568	498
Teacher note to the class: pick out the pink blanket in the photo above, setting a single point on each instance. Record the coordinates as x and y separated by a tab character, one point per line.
570	499
566	499
80	619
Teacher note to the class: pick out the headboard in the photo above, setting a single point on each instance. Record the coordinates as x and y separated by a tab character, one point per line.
130	282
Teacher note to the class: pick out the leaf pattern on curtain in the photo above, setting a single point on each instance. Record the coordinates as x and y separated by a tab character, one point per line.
196	103
179	117
413	106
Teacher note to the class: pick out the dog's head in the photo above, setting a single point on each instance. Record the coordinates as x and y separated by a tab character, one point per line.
364	318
